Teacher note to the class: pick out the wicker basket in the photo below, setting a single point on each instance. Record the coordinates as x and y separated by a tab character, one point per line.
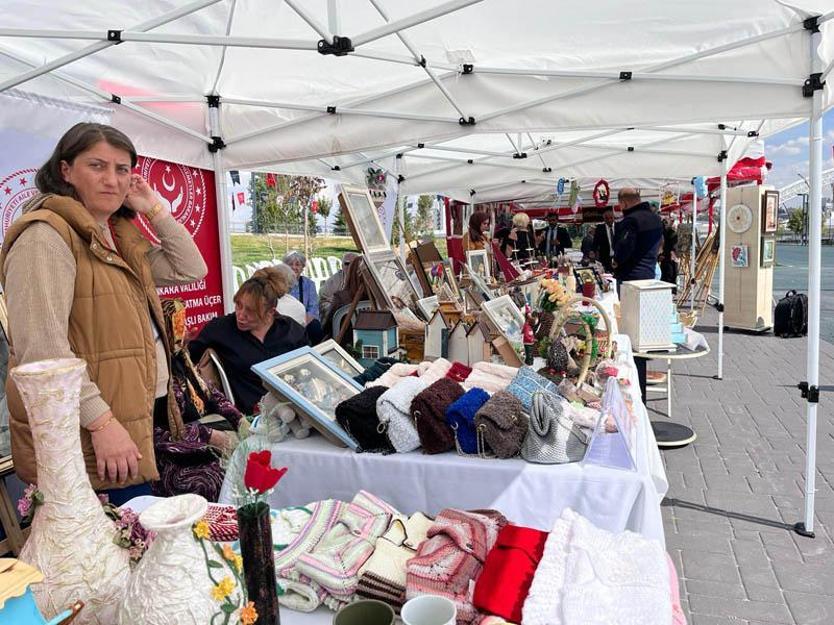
567	320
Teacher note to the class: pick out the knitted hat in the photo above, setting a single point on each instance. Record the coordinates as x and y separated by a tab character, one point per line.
357	415
503	424
461	418
458	372
429	412
394	409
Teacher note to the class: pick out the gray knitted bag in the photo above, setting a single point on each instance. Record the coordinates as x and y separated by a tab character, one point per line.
553	437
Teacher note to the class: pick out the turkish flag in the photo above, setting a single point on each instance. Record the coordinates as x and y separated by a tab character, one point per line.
241	198
314	206
270	180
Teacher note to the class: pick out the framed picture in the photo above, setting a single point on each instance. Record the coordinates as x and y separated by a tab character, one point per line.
478	262
394	285
364	219
480	284
451	278
508	320
583	274
429	267
336	354
739	256
770	212
768	257
428	305
314	385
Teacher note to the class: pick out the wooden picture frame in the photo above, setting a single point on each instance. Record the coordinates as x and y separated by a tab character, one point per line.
392	281
508	320
478	263
428	306
425	258
336	354
770	212
363	219
314	385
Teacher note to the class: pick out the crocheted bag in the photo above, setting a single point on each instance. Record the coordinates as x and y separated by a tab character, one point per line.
357	415
553	438
501	425
526	383
461	418
429	413
394	411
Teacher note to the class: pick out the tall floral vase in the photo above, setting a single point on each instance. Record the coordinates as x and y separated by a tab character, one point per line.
71	539
183	578
255	528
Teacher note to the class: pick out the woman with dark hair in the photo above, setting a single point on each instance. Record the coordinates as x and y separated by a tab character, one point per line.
253	333
476	237
80	281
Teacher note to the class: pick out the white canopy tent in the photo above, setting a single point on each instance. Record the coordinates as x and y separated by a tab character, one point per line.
267	84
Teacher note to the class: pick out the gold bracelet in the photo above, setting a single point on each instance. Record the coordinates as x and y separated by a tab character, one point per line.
102	426
150	215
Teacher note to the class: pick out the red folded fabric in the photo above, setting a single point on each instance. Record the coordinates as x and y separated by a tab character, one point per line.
458	372
508	572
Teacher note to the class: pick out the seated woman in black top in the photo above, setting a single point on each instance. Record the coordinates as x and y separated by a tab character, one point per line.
253	333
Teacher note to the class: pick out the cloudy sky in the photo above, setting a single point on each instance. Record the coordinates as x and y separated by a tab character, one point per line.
789	152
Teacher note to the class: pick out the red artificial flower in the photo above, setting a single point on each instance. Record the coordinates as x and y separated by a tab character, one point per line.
259	475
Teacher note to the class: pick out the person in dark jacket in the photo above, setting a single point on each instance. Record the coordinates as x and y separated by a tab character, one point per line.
638	238
668	258
604	237
556	238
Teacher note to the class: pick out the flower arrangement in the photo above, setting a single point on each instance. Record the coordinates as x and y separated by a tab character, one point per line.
553	295
31	499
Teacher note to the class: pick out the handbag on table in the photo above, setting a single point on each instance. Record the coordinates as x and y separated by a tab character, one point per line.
553	437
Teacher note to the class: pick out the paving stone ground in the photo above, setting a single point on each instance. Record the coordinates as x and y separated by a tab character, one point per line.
735	493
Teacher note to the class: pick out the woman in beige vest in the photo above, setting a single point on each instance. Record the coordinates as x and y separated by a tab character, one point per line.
80	281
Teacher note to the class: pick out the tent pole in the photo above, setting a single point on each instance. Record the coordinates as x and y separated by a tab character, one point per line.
814	269
398	167
693	250
412	20
311	20
722	268
223	218
334	21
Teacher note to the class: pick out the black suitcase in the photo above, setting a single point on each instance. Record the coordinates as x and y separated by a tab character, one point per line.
790	318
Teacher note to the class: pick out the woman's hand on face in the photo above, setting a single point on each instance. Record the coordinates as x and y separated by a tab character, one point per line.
140	196
117	457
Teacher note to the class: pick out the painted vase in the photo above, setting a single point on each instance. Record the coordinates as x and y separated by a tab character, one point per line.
174	584
71	539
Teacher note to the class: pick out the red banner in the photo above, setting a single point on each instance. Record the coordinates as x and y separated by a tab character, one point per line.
189	193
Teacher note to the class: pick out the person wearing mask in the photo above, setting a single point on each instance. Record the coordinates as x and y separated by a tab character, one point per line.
476	236
333	285
80	281
287	304
253	333
556	238
305	292
604	237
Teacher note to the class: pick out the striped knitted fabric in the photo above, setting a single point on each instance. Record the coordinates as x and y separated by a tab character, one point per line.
335	562
449	561
383	576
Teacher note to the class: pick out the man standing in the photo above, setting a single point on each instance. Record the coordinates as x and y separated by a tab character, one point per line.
556	238
638	238
334	284
604	238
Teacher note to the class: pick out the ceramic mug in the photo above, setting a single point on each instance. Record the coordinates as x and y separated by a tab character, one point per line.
429	610
365	612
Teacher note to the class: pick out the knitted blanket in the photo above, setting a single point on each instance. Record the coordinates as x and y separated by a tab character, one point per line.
394	411
450	559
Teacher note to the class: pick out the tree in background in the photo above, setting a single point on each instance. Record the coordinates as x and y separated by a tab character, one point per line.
796	222
279	202
339	225
325	208
408	225
424	223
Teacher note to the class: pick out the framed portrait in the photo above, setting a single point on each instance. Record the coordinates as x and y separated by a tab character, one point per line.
478	262
428	305
768	256
508	320
314	385
392	280
739	256
364	220
336	354
770	212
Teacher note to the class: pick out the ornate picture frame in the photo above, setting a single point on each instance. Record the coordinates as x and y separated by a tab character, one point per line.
770	212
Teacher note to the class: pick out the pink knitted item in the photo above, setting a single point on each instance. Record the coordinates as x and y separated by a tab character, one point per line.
431	372
222	522
494	369
490	383
451	558
394	374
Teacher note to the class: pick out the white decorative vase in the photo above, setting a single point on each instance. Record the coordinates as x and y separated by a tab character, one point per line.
171	585
71	539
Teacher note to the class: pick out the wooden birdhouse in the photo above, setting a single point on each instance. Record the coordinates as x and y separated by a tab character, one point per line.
376	331
437	337
458	345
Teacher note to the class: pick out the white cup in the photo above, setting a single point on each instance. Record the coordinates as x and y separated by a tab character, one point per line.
429	610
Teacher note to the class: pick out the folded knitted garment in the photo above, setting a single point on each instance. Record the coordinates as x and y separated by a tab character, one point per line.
432	371
508	571
296	531
496	370
335	562
392	377
458	372
394	411
490	377
461	418
383	576
429	413
589	576
502	424
357	415
450	559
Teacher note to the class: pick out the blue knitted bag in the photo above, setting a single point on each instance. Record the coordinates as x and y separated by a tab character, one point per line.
460	415
526	383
